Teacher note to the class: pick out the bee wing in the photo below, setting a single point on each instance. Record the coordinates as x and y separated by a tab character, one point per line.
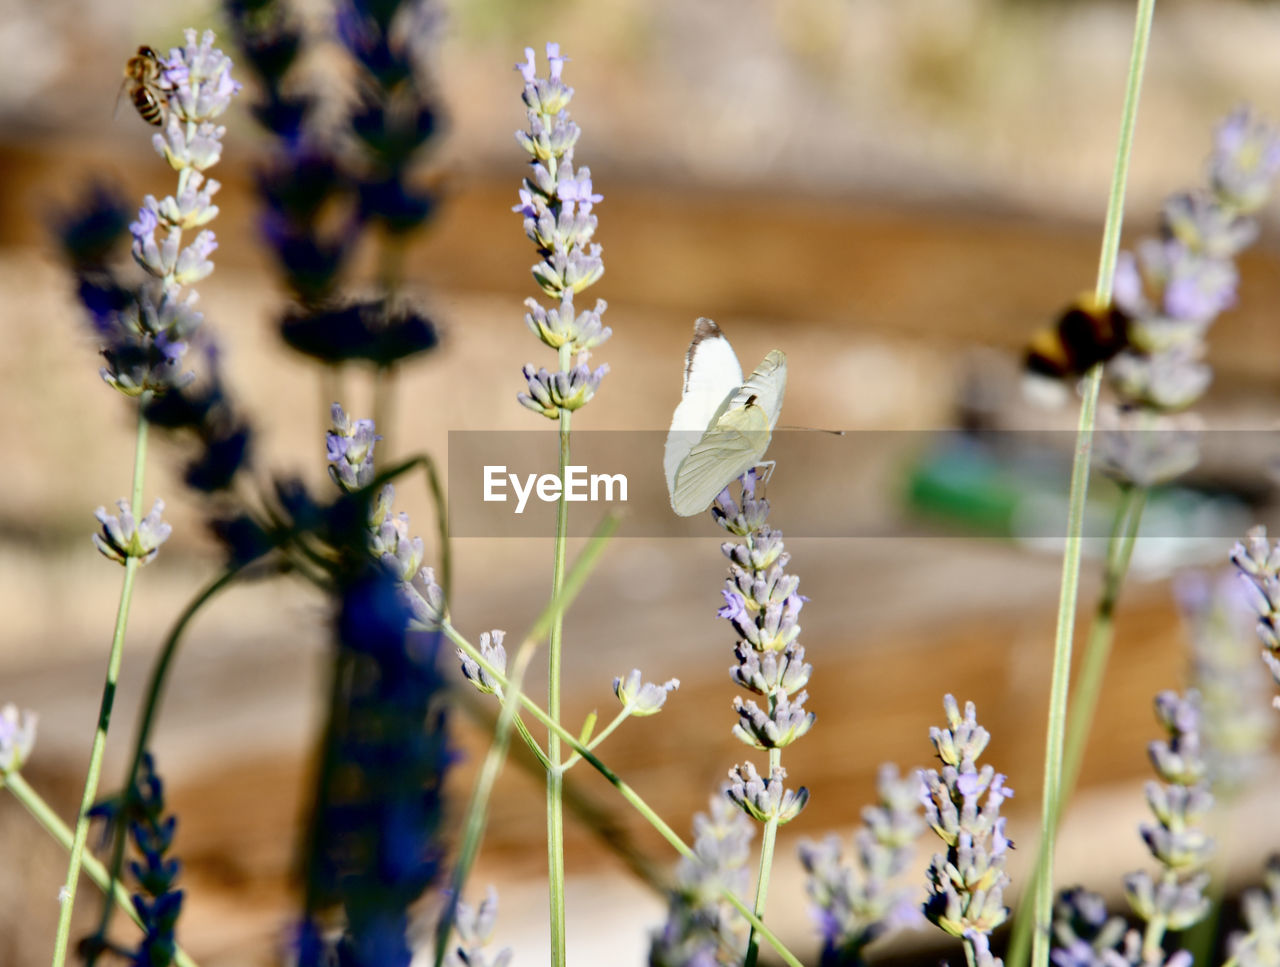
728	449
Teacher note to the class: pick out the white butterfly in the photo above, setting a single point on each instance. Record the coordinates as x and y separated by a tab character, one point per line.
723	425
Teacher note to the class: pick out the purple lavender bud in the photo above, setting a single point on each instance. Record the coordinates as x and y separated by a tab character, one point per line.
474	928
197	79
193	263
981	944
1179	760
122	538
761	730
1083	932
425	599
1177	904
1200	222
764	800
642	698
1245	160
349	450
183	149
549	393
564	326
495	654
17	737
193	206
767	672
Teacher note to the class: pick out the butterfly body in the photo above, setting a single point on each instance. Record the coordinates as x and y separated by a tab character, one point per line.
723	424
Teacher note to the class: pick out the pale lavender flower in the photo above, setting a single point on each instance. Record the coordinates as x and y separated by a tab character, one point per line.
197	79
1170	292
17	737
640	697
1245	160
1259	565
555	206
145	341
549	393
854	904
1177	840
474	927
762	604
350	447
122	537
1237	724
765	799
702	930
962	805
1259	946
495	654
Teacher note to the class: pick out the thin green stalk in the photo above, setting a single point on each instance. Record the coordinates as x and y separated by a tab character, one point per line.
596	739
628	794
767	842
90	793
150	708
52	824
477	808
1088	686
555	778
1043	884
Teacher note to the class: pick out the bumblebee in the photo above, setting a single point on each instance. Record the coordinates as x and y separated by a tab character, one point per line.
142	77
1084	336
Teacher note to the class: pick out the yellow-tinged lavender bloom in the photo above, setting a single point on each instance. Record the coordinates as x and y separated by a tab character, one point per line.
122	537
962	804
642	698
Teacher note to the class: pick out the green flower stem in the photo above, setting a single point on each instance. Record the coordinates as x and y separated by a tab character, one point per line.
477	808
90	794
767	842
630	795
150	708
1043	884
555	778
1124	531
599	737
61	833
970	958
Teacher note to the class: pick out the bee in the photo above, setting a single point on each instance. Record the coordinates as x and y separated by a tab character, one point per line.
1084	335
142	78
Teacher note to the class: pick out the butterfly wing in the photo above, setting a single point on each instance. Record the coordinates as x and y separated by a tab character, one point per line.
728	449
766	386
711	376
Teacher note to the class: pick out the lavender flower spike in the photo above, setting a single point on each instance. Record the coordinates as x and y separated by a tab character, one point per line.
1259	565
702	930
556	203
123	538
854	904
1177	840
17	737
962	804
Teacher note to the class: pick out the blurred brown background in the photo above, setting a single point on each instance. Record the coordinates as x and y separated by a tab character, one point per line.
896	192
